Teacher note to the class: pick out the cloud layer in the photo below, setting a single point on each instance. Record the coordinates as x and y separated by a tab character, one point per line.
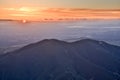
58	13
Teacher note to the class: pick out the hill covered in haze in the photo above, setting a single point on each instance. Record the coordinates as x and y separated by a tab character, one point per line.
52	59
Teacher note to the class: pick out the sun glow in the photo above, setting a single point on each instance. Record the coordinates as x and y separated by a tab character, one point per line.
25	9
40	13
24	21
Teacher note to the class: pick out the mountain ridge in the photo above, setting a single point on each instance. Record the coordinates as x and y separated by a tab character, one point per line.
52	59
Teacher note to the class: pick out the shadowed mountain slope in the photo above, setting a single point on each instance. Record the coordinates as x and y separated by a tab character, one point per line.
52	59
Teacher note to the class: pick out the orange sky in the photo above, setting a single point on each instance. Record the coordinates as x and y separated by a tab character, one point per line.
35	13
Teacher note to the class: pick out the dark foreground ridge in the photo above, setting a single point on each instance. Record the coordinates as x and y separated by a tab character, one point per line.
52	59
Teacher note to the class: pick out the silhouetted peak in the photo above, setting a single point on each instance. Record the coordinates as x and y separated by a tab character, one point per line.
60	42
87	41
62	60
45	42
51	41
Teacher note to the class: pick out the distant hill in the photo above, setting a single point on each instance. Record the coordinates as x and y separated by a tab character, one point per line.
52	59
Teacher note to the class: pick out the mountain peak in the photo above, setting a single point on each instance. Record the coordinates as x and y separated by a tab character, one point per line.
86	41
78	41
51	40
56	42
62	60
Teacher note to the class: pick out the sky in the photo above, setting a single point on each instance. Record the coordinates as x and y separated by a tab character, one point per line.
39	9
104	4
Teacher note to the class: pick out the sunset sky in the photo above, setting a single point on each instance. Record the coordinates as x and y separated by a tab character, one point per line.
41	9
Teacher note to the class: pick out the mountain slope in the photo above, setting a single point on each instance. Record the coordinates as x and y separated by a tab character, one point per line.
58	60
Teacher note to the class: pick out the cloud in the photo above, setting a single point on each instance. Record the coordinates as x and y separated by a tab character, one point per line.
64	13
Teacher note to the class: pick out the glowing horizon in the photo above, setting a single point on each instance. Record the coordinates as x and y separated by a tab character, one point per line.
36	13
55	9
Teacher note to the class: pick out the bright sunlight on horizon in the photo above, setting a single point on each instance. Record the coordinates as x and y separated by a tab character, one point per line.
59	10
